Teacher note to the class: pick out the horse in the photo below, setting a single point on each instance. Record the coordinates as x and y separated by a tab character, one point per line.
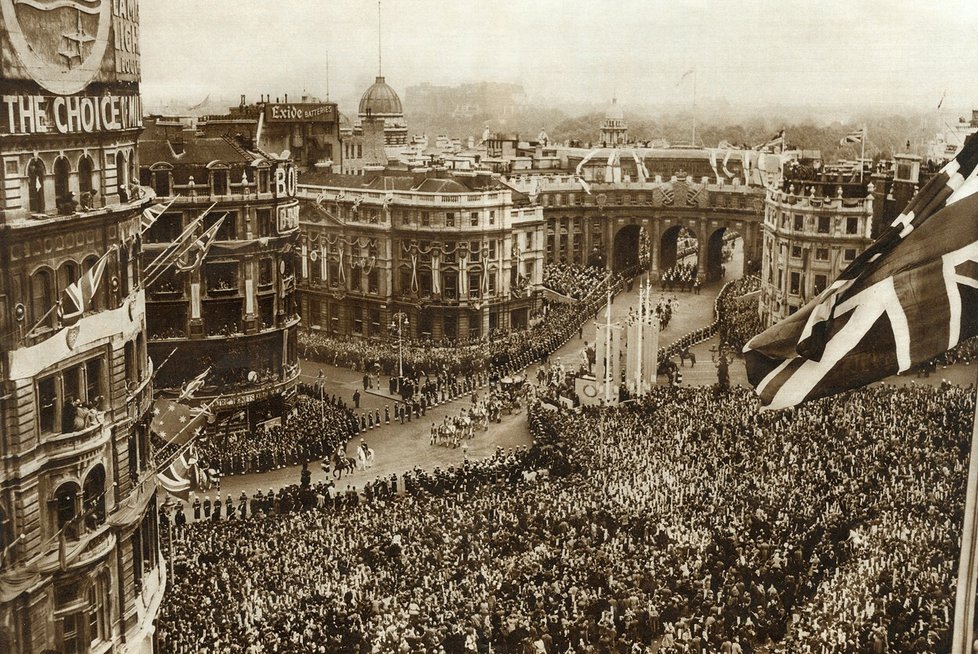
342	464
365	458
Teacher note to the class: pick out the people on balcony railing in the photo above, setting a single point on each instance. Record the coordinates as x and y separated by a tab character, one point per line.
89	199
67	205
77	415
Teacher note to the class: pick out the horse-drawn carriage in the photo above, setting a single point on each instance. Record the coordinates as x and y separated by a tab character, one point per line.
511	389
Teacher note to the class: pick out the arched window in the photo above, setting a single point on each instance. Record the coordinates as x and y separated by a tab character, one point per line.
67	274
66	505
86	173
62	174
98	609
219	185
122	174
42	297
93	494
35	185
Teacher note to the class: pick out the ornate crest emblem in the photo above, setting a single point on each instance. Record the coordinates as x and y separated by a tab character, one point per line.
71	336
61	42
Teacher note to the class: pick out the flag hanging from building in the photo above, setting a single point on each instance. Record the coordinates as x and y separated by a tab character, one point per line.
184	475
910	296
198	249
191	387
172	418
855	136
174	251
151	215
584	185
77	297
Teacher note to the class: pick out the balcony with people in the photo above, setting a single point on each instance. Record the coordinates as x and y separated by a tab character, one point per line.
71	187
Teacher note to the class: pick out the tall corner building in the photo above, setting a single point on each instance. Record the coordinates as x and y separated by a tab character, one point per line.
79	560
234	315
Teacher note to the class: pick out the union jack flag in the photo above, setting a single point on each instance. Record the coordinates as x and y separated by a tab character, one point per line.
77	297
855	136
910	296
184	474
151	215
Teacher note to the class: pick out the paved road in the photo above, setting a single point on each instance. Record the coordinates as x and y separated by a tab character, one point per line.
400	448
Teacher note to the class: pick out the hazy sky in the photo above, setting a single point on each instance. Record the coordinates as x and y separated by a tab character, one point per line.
749	52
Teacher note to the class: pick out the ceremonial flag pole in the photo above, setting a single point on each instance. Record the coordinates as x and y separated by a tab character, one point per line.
964	601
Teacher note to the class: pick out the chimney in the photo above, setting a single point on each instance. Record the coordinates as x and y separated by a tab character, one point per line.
286	98
242	100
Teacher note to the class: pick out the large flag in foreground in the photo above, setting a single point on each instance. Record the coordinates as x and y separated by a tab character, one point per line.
910	296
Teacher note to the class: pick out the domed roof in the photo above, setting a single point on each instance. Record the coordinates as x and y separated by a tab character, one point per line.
380	100
614	111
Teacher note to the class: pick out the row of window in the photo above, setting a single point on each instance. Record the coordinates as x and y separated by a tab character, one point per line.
213	181
67	186
221	316
819	283
821	254
449	284
170	225
47	285
221	278
371	324
822	223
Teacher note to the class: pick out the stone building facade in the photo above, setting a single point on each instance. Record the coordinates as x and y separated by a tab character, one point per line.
79	555
235	314
459	259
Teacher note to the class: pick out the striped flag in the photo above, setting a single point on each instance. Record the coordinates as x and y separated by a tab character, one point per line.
910	296
184	475
855	136
77	297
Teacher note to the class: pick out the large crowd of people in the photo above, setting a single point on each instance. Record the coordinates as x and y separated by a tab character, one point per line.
573	280
310	431
502	351
737	312
684	522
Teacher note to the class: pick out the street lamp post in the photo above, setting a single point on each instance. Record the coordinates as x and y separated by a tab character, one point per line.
399	321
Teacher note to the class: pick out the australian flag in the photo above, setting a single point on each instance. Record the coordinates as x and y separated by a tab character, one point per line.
910	296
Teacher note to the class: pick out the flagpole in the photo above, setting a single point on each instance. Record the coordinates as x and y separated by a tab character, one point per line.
694	107
175	245
607	347
862	153
964	602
